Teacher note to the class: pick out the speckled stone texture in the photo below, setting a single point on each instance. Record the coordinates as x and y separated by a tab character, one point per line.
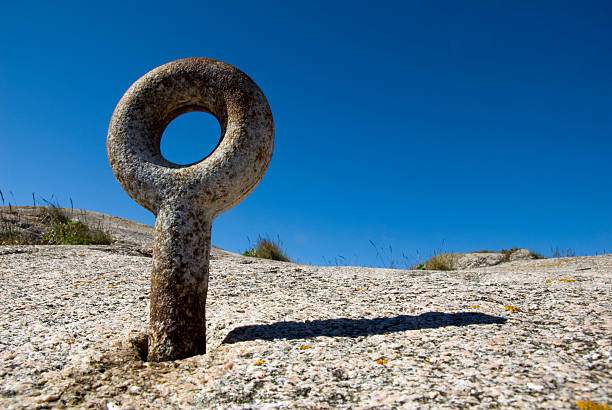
287	336
186	199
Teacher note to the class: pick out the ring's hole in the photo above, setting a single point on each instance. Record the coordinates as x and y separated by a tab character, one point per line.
190	137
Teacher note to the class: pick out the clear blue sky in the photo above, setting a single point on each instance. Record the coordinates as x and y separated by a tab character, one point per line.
417	125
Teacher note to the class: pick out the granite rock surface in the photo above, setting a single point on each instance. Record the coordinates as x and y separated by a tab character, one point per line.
529	333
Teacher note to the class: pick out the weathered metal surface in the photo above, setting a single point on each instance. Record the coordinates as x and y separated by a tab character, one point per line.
186	198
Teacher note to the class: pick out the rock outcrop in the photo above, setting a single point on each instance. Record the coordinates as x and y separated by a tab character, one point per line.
455	260
73	323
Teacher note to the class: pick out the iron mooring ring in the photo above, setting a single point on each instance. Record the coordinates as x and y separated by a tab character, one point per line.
185	199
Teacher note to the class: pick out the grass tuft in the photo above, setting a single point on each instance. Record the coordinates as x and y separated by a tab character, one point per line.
64	230
51	226
443	261
267	248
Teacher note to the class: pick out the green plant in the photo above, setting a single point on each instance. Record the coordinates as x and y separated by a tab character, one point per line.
75	233
50	225
65	230
443	261
251	252
267	248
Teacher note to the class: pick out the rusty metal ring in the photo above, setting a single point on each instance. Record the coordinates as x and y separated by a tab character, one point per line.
223	178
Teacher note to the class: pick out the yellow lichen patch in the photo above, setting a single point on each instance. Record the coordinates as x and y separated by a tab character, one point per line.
259	362
561	280
304	347
475	306
512	308
339	290
230	279
589	405
381	361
